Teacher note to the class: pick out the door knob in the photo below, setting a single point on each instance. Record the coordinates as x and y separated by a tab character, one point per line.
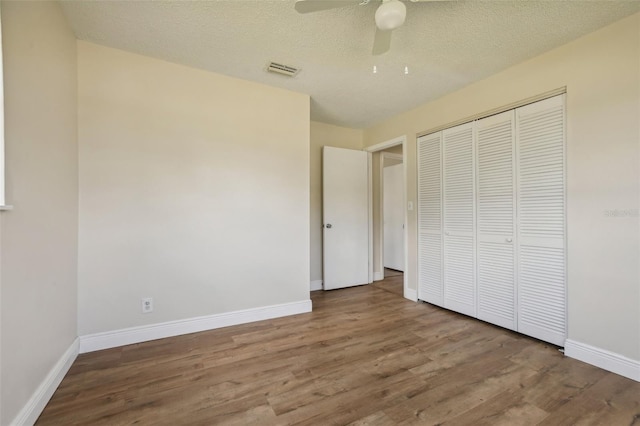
509	240
328	225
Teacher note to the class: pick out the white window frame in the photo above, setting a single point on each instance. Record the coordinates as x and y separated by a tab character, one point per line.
3	203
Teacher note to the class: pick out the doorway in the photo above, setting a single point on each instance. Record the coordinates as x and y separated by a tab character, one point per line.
393	153
392	220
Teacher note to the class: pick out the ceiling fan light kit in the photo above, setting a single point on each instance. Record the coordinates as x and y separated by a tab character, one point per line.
375	70
390	15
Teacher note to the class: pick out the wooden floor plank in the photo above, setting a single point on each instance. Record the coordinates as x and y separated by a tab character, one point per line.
364	356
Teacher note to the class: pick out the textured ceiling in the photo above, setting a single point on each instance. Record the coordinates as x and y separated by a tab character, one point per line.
445	44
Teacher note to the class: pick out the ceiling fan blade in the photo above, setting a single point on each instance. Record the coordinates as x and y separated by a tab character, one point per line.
381	42
308	6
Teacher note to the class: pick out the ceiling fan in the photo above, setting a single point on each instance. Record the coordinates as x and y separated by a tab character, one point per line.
389	16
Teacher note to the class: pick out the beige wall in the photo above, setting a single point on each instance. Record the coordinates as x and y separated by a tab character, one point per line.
601	72
38	243
321	135
194	190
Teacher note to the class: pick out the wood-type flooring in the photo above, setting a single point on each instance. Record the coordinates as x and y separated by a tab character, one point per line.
364	356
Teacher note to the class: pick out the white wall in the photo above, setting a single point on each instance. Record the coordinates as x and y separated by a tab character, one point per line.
194	190
321	135
601	72
38	242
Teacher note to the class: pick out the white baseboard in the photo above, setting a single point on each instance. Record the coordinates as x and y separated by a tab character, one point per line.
128	336
377	276
410	294
33	408
316	285
604	359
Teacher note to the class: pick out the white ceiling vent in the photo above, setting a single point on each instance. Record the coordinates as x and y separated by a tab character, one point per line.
282	69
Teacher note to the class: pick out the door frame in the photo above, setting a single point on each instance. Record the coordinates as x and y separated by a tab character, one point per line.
400	140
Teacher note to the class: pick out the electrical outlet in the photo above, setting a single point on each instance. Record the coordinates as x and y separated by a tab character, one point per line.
147	305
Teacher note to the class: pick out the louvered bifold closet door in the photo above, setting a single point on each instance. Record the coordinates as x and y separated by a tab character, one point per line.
540	142
459	219
430	288
495	150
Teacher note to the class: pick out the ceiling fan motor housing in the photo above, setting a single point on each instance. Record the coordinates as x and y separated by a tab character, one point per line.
390	15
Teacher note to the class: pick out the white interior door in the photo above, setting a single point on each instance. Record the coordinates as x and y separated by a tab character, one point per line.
345	195
393	212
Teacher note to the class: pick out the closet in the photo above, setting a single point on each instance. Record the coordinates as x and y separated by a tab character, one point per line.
491	219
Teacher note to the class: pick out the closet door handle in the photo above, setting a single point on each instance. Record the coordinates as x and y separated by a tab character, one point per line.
509	240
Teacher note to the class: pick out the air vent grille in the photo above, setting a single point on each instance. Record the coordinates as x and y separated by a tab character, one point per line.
282	69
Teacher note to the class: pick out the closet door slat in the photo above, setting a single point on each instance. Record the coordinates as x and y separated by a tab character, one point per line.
495	147
430	285
541	212
459	219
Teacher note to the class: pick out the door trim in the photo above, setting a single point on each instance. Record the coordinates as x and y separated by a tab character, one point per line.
370	216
